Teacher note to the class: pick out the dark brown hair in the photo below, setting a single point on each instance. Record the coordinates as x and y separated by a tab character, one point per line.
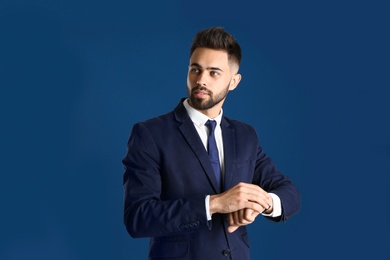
217	39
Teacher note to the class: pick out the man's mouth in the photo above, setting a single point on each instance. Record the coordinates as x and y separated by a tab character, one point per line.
200	92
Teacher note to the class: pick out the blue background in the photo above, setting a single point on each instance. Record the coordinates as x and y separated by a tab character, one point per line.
76	75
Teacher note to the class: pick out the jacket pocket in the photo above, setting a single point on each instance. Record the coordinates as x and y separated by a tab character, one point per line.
169	249
243	171
244	164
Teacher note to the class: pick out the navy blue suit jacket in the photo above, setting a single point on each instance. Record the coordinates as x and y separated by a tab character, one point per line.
168	175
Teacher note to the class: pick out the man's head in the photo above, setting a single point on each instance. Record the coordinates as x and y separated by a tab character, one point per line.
214	63
216	38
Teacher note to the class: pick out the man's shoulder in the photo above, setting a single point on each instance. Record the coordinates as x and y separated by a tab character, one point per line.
158	120
244	132
238	124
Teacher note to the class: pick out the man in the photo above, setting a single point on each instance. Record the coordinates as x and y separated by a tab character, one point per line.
191	186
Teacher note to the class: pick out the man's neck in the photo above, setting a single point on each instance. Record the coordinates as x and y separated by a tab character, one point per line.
211	112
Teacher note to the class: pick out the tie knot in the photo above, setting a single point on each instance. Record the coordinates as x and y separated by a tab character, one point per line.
211	124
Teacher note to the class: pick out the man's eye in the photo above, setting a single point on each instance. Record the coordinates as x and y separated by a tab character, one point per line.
195	70
214	73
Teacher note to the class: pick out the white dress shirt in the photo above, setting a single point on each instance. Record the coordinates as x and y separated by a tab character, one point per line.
199	119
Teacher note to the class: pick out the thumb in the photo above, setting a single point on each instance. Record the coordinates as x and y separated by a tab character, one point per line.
231	229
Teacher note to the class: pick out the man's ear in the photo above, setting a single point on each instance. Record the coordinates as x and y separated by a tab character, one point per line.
234	81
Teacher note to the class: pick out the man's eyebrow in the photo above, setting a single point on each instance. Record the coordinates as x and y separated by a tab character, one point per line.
208	68
214	68
195	65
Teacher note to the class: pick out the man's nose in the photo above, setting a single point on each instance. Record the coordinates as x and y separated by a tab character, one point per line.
202	80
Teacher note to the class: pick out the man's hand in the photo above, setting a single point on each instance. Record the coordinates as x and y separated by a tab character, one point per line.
244	217
241	196
241	217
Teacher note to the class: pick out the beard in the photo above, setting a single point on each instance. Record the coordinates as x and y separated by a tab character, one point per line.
204	104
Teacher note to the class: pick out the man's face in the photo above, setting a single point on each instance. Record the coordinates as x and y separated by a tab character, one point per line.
209	79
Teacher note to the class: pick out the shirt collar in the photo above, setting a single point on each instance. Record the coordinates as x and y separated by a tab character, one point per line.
198	118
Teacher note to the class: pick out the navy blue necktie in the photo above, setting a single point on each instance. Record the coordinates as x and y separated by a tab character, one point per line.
213	151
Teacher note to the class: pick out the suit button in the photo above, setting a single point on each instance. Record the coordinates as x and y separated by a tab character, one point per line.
226	252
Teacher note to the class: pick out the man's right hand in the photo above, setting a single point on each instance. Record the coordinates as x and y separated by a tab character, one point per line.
241	196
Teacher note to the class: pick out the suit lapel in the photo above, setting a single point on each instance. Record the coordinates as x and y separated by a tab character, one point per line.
229	148
189	132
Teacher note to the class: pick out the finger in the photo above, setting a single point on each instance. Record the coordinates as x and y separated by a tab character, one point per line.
270	200
249	195
268	204
240	216
231	218
251	188
265	201
234	218
245	188
254	206
231	229
249	216
255	214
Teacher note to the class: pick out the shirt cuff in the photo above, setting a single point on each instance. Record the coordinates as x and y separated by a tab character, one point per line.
207	203
277	207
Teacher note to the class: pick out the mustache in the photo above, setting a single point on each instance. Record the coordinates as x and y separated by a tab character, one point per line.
201	88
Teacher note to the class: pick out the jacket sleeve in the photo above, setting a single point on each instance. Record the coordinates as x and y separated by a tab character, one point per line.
145	213
272	180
